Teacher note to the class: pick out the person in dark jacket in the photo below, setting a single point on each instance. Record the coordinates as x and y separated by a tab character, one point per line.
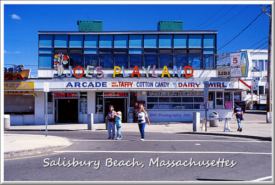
239	115
110	119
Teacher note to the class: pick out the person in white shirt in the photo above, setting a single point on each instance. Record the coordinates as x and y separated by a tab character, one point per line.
142	117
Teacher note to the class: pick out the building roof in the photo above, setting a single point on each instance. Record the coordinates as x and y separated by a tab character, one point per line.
127	32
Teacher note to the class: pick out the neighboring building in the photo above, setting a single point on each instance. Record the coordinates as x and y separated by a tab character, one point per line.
166	99
257	68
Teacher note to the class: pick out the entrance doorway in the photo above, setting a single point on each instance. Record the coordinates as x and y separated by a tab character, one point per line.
120	104
67	111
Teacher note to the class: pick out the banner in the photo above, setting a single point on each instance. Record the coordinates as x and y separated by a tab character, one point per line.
238	64
19	85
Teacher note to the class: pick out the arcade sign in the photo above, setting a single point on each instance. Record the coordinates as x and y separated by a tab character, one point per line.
60	60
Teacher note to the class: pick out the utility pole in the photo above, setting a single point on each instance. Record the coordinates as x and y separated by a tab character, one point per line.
268	98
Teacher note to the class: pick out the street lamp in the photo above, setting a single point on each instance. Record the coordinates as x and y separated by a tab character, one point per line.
268	99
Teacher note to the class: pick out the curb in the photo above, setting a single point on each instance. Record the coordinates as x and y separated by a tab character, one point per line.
230	135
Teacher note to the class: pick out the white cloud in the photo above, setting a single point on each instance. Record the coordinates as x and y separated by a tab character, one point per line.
14	16
12	52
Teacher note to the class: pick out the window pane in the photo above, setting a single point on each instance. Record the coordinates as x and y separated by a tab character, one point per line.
135	60
150	41
106	41
181	60
45	61
91	41
195	61
106	61
195	41
165	41
152	106
76	60
261	65
121	60
199	106
136	41
209	61
219	94
61	41
261	89
254	64
45	50
198	99
209	51
180	41
219	102
135	51
209	41
187	106
46	41
150	60
76	41
152	99
91	60
187	99
91	51
176	99
265	65
166	60
121	41
164	99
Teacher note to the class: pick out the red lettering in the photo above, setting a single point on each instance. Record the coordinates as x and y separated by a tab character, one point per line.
185	69
219	85
180	84
82	71
135	71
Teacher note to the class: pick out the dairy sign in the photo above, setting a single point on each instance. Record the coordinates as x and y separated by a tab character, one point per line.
238	64
148	85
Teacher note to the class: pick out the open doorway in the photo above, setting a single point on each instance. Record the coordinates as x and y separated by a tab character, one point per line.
67	110
119	105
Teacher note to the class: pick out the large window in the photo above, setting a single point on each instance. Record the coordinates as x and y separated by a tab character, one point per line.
121	60
91	60
181	60
150	41
175	100
261	65
209	61
195	41
106	41
45	61
76	60
76	41
150	60
61	41
136	41
91	41
165	41
180	41
18	104
121	41
106	61
209	41
136	60
46	41
166	60
195	61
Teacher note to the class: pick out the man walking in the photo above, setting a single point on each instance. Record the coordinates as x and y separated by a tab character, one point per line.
239	115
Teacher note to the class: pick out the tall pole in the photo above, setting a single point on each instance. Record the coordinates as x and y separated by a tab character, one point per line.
46	112
268	99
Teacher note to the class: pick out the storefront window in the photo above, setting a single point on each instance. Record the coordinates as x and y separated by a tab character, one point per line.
219	100
181	60
175	100
76	60
211	100
99	102
136	60
228	103
237	96
106	61
150	60
166	60
121	60
195	61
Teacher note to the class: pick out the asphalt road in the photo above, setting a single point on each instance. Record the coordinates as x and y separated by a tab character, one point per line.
251	159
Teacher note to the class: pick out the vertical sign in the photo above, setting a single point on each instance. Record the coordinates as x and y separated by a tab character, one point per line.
238	64
255	83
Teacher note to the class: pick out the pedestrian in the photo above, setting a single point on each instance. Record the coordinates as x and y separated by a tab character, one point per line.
111	122
118	125
239	116
142	117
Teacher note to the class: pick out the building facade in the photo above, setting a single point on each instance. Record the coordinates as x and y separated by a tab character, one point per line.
164	70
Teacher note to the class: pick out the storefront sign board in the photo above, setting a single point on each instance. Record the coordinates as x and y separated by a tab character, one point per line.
238	64
19	85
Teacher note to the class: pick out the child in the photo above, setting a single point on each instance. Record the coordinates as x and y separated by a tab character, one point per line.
118	125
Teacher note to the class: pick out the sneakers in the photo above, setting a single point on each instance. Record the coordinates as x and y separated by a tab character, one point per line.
141	139
241	129
238	129
109	137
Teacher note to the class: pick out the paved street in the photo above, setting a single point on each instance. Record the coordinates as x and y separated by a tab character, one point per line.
251	158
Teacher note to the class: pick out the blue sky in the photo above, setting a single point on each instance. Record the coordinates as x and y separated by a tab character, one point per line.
22	22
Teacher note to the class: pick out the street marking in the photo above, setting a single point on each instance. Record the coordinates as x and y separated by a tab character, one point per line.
167	152
197	144
222	141
263	178
32	156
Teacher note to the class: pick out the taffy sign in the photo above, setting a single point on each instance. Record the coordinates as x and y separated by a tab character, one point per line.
60	60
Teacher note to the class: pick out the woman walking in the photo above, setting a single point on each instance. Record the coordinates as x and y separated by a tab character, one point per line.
111	122
142	117
118	125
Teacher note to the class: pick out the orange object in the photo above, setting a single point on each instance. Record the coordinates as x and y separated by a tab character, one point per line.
135	72
185	69
65	57
78	67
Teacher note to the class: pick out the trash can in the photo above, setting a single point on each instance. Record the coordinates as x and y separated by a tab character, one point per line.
214	123
7	122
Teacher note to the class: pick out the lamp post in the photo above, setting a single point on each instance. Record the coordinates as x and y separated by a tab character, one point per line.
268	98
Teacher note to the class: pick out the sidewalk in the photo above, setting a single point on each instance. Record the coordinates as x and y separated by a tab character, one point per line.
259	129
22	144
